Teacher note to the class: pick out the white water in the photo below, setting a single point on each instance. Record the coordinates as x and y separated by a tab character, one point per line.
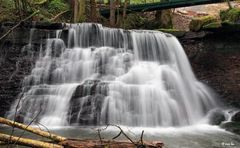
147	76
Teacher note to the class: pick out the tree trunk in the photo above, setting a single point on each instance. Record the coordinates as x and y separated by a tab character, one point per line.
112	13
118	3
93	10
229	4
81	10
27	142
125	8
75	10
32	130
164	18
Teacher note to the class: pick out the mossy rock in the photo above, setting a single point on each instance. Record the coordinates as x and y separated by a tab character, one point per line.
175	32
230	15
197	24
211	26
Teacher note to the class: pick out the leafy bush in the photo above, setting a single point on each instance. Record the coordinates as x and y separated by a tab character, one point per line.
133	21
230	15
56	6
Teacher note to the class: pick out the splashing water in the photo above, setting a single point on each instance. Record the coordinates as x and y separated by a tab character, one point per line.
102	75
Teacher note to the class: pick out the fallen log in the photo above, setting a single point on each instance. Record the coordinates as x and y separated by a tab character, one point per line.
32	130
62	142
27	142
74	143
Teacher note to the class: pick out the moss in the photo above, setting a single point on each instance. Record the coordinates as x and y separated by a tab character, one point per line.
175	32
56	6
231	15
167	30
213	25
197	24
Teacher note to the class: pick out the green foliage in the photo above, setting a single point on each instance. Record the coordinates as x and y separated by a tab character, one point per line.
56	6
7	4
197	23
133	21
231	15
6	10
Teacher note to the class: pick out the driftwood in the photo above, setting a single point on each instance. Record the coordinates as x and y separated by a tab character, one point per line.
19	23
32	130
27	142
62	142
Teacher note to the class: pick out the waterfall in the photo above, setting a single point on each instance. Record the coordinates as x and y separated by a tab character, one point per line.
101	75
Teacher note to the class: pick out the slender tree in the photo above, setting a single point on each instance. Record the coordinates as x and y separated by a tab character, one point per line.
78	10
229	4
112	12
93	12
126	2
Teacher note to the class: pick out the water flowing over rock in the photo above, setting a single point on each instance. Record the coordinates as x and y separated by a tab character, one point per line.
102	75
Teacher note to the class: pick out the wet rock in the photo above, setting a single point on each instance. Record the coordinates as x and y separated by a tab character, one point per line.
90	87
232	127
236	117
216	117
86	110
86	102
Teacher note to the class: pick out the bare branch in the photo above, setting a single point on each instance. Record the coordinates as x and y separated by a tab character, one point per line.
58	15
19	23
141	139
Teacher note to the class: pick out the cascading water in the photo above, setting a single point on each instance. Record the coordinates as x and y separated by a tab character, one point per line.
102	75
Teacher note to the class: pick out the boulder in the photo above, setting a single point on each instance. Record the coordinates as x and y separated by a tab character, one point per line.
232	127
212	26
236	117
197	24
216	117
